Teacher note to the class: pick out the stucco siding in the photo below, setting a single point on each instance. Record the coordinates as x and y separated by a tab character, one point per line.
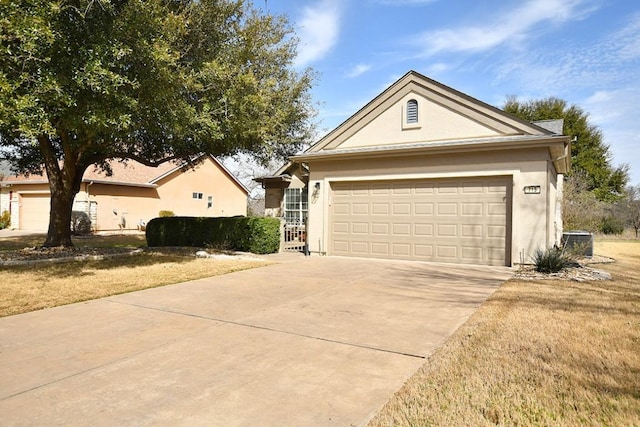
389	127
123	207
529	228
116	206
176	192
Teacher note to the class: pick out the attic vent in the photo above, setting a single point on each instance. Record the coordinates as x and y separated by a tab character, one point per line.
412	111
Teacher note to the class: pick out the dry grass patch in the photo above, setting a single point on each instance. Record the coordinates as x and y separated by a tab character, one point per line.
28	288
537	353
93	240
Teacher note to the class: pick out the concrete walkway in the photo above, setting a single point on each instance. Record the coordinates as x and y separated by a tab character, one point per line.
322	341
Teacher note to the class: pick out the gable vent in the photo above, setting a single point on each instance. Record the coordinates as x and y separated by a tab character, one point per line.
412	111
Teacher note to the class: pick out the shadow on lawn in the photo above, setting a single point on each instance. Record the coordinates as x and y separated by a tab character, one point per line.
90	267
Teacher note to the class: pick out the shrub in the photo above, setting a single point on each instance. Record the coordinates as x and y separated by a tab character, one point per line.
257	235
551	260
611	225
5	219
80	223
166	214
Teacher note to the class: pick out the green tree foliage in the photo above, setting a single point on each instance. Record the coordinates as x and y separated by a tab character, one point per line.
86	81
581	209
590	156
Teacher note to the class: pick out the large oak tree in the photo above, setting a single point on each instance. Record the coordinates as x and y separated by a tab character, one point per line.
590	156
83	82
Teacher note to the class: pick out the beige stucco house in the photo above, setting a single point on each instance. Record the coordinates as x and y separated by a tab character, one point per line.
133	195
424	172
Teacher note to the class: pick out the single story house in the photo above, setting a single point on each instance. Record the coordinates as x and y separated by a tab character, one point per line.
425	172
131	196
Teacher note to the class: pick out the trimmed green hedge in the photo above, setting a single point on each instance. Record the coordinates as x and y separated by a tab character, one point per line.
247	234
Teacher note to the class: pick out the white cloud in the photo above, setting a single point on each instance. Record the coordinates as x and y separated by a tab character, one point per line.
358	70
616	113
508	28
609	62
318	31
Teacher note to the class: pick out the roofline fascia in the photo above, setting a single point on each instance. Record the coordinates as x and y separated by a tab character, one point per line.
558	148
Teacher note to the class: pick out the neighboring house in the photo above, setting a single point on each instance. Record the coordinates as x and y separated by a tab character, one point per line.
424	172
132	196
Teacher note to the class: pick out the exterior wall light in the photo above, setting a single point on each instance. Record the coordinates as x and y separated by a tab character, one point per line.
532	189
317	186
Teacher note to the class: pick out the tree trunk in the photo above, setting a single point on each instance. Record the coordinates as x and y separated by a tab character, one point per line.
59	233
64	184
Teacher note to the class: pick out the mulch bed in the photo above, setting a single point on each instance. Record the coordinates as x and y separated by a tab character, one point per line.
581	270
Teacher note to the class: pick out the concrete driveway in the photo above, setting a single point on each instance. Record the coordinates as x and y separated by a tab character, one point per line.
319	341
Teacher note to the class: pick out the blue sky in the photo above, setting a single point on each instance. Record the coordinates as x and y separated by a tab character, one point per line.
584	51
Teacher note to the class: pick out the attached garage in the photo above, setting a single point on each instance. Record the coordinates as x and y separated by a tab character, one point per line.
425	172
34	211
458	220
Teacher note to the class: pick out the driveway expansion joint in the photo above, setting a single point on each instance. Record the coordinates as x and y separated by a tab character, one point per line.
265	328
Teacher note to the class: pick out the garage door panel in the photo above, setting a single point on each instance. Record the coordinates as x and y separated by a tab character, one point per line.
425	209
423	251
496	231
423	230
472	254
423	188
471	209
448	253
472	230
448	220
382	190
496	254
447	209
496	209
360	209
341	228
471	188
380	209
360	248
401	249
400	229
380	228
360	190
447	188
360	227
447	230
380	248
341	209
403	189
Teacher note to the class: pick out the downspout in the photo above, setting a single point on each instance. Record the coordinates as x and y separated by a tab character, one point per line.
93	226
558	228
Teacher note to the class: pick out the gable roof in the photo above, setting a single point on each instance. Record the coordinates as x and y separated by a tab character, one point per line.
504	129
285	173
452	99
131	173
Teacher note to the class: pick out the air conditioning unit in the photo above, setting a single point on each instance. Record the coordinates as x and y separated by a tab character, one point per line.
578	243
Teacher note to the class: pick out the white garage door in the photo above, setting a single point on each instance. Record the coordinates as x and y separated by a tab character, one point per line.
459	221
34	212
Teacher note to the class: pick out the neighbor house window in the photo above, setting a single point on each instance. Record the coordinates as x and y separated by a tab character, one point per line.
209	202
412	111
197	196
295	205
